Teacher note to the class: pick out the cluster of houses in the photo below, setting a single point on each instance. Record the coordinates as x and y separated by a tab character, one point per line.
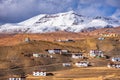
77	64
109	35
73	56
82	63
76	56
115	62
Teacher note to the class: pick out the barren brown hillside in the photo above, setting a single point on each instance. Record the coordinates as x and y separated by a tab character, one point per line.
16	55
13	39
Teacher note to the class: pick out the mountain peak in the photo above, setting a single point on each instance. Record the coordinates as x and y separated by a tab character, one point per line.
71	12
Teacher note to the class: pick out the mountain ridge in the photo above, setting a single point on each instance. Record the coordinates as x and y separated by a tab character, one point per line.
68	21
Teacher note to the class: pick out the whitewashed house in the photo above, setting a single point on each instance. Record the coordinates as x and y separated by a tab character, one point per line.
39	73
101	38
69	40
115	59
64	51
35	55
66	40
51	51
77	56
96	53
51	56
113	65
66	64
57	51
16	79
54	51
82	64
39	55
27	39
109	65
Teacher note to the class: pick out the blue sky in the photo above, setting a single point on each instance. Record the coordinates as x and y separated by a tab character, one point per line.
13	11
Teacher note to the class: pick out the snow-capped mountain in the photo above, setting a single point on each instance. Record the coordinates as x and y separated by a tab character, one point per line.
68	21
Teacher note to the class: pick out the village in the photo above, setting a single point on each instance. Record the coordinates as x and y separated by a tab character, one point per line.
71	59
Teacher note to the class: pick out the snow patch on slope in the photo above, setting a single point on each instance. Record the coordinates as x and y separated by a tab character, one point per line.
97	22
32	20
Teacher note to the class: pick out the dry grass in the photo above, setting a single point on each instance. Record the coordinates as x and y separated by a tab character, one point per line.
92	73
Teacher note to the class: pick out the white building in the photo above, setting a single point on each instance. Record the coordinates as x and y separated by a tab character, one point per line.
39	55
115	59
57	51
51	51
82	64
101	38
35	55
66	40
27	39
77	56
15	79
96	53
66	64
64	51
51	56
39	73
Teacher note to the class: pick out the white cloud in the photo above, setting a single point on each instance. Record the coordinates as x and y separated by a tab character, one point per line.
114	3
23	9
92	9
